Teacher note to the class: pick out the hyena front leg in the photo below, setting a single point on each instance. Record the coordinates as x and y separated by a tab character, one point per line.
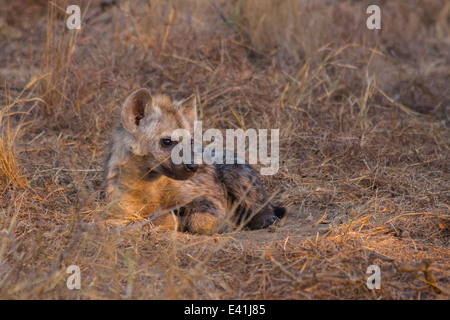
245	189
207	215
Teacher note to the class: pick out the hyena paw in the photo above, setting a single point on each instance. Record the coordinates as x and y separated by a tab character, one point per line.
278	214
270	221
205	223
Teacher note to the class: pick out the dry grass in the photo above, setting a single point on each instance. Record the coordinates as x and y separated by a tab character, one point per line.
364	146
10	172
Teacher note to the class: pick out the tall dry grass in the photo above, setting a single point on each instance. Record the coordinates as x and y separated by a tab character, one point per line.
10	171
56	62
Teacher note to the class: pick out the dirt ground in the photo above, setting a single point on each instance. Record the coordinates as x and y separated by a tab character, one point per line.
364	146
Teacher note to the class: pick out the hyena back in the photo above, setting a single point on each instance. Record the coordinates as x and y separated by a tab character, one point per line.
141	179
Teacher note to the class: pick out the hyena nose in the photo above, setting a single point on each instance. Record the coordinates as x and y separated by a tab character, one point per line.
191	167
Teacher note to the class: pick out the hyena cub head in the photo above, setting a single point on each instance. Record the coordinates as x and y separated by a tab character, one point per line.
152	120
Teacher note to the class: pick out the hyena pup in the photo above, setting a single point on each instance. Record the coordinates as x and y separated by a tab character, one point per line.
141	178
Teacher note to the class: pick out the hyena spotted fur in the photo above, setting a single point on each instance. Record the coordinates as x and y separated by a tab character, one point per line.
141	179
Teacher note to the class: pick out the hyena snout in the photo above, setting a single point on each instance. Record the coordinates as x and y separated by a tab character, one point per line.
191	167
182	171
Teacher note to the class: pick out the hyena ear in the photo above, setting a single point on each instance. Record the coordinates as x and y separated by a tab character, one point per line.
188	109
134	108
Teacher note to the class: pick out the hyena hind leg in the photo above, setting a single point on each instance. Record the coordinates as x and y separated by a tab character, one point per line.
206	216
244	187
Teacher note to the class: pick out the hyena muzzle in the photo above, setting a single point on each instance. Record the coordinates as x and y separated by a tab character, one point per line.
141	178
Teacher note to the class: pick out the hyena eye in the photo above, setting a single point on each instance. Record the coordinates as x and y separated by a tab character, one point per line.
166	142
